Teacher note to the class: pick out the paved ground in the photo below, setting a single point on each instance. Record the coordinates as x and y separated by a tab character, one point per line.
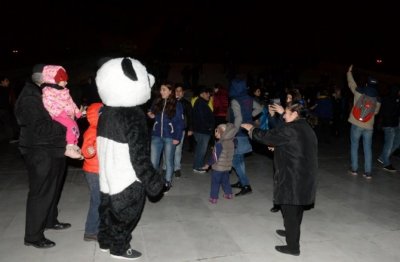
354	219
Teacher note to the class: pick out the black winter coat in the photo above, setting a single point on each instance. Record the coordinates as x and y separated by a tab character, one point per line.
295	159
38	129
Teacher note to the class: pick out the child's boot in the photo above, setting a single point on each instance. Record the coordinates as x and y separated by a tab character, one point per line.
72	152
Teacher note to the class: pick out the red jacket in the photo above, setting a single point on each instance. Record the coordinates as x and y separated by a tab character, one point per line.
91	162
221	102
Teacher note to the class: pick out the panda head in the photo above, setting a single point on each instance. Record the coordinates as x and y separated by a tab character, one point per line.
124	82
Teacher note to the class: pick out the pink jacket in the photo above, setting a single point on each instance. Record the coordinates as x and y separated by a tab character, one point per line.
56	99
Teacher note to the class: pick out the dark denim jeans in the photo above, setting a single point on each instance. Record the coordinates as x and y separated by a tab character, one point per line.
92	219
391	143
355	134
200	152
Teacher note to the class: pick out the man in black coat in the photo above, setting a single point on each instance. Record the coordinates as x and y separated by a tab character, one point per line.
295	180
42	145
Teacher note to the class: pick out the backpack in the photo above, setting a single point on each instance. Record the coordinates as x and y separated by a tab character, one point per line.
264	119
364	108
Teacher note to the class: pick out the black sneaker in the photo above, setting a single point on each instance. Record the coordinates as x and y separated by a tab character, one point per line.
244	191
129	254
237	185
178	173
167	187
389	168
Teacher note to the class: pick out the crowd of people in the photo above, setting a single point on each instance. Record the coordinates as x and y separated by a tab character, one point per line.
225	124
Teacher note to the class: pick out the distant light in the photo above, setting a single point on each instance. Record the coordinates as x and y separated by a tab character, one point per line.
379	61
15	51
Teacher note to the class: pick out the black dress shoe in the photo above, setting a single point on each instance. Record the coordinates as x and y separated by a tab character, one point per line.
237	185
281	232
43	243
286	250
60	226
245	190
275	209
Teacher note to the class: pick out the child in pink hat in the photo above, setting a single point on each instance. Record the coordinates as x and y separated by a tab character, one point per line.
61	107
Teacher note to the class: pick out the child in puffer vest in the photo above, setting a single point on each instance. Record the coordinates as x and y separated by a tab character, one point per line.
221	161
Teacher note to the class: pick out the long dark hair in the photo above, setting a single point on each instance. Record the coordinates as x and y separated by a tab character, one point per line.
170	108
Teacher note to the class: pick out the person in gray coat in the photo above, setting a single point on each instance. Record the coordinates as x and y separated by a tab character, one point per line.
296	161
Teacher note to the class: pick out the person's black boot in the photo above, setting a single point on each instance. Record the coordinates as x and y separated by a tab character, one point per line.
281	232
245	190
275	209
237	185
286	250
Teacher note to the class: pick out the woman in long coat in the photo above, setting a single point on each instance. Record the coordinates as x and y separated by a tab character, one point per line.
296	161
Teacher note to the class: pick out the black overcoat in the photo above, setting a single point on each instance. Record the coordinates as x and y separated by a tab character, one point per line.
295	159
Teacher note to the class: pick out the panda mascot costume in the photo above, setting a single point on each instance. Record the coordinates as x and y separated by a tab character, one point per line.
126	173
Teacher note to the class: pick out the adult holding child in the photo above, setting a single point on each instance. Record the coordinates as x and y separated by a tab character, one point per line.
42	145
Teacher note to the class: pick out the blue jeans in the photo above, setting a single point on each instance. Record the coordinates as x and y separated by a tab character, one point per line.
243	146
355	134
391	143
240	169
158	146
92	219
220	178
178	155
201	149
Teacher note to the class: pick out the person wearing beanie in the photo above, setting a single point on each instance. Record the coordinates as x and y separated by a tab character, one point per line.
61	107
42	146
362	127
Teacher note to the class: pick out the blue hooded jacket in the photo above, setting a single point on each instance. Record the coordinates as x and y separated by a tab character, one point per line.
238	92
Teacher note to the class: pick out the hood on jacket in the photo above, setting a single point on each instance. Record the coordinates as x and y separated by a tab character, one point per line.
230	132
368	90
237	88
54	74
93	112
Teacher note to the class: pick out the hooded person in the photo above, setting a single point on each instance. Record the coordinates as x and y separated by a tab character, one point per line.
126	172
240	112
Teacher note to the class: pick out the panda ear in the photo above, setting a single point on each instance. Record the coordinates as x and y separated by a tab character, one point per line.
128	69
151	80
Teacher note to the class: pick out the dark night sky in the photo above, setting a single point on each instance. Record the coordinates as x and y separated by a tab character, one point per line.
248	31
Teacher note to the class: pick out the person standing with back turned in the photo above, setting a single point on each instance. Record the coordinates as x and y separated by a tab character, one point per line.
362	116
241	108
